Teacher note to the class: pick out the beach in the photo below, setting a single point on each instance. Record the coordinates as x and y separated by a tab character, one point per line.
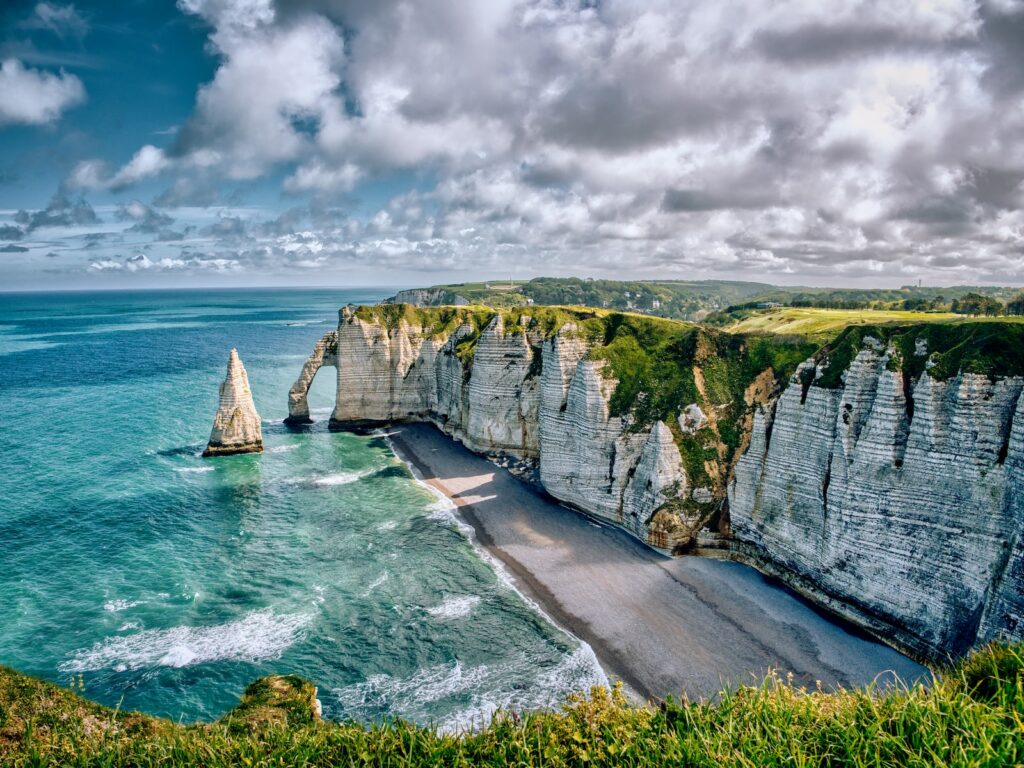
687	626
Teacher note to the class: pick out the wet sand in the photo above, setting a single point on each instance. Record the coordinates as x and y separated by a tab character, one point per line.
664	626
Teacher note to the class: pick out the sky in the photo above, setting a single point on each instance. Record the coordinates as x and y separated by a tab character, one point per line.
412	142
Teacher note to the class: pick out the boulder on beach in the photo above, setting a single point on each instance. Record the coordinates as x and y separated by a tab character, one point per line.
236	427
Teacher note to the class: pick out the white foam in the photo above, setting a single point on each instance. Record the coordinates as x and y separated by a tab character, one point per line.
343	478
375	583
193	469
129	625
389	525
115	606
282	448
476	692
406	694
455	607
258	636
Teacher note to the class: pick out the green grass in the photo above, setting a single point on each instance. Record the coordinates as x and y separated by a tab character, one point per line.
825	322
972	716
989	347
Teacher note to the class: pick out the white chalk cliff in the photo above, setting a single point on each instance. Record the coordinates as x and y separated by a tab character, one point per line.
236	426
896	503
899	506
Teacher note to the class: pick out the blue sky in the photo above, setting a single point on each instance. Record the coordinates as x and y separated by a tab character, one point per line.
340	142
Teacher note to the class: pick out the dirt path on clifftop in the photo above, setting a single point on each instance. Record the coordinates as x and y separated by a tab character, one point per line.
664	626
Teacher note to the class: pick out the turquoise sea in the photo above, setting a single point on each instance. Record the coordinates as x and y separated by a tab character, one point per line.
166	582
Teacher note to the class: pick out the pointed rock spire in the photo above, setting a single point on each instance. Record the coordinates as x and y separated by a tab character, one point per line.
236	427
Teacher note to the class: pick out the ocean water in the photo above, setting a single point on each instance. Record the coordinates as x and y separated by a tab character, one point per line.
166	582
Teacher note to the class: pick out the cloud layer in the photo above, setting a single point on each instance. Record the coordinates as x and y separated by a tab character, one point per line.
852	140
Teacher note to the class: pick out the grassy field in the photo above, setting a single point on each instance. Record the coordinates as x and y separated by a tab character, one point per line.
828	322
973	716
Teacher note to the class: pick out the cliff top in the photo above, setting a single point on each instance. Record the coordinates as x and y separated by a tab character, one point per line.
989	347
969	717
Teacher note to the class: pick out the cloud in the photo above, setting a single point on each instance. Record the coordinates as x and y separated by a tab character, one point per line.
61	212
861	139
35	97
61	20
11	248
273	80
147	162
144	219
140	262
8	232
317	176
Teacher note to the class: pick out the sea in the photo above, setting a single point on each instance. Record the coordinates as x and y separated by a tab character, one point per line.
152	579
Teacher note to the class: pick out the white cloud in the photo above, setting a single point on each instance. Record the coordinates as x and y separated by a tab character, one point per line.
36	97
142	263
317	176
274	81
870	138
61	20
147	162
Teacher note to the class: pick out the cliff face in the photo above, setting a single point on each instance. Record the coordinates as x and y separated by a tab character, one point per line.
517	391
236	425
427	297
895	500
893	493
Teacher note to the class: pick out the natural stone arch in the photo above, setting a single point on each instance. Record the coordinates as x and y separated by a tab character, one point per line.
324	353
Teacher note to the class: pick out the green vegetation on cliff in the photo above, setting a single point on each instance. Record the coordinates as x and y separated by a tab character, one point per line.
972	716
993	348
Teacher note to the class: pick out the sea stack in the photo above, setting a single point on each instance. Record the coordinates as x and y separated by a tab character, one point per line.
236	427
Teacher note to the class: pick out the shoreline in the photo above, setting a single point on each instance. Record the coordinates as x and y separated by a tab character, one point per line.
521	580
663	626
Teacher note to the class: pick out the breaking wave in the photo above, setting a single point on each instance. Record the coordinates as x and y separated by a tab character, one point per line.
258	636
474	693
455	607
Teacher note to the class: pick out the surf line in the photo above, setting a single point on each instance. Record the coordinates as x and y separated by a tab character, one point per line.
448	505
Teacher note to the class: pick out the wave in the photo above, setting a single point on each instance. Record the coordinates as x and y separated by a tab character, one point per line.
282	448
408	694
474	694
343	478
455	607
375	583
193	469
116	606
258	636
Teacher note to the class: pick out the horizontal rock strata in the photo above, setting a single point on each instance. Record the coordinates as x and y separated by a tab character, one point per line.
898	502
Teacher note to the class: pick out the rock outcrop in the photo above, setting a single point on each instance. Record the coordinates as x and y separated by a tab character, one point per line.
427	297
324	353
880	485
236	426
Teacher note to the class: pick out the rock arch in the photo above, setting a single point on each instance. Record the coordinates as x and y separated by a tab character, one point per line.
324	353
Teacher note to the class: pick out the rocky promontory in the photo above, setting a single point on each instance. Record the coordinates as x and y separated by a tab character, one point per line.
236	426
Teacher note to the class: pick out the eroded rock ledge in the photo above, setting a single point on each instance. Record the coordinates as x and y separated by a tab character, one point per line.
882	475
